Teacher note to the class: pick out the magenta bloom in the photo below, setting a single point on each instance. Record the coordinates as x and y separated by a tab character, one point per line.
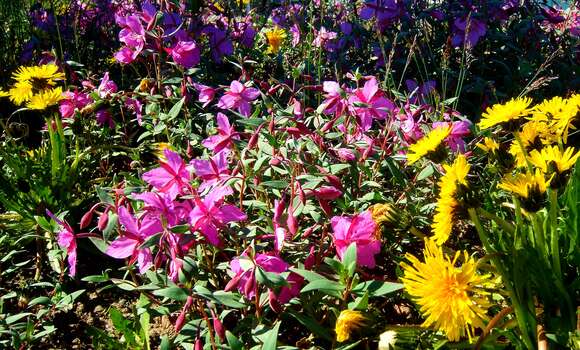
475	29
104	118
336	100
459	130
135	233
369	103
133	36
137	107
172	177
224	138
206	93
244	269
239	97
358	229
66	239
210	214
73	101
186	54
212	171
323	37
107	86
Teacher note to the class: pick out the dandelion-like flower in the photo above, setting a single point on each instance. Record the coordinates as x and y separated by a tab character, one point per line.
429	145
452	299
567	116
488	145
45	99
275	39
552	160
533	136
502	114
530	189
348	321
455	177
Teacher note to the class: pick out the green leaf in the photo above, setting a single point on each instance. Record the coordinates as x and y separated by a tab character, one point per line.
111	224
280	184
99	243
270	279
233	341
360	303
228	299
307	274
39	300
271	338
426	172
15	318
326	286
255	122
377	288
173	293
311	325
349	259
174	111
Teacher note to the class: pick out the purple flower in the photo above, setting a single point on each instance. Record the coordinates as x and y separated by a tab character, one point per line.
295	30
323	37
419	92
239	96
385	11
133	36
212	171
245	269
105	118
136	106
107	86
225	137
210	214
368	103
336	101
172	177
135	233
186	54
472	30
358	229
219	42
66	240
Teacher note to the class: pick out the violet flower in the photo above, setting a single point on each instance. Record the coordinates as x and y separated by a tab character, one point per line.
105	118
244	270
73	100
212	171
472	30
186	54
107	86
239	97
358	229
206	93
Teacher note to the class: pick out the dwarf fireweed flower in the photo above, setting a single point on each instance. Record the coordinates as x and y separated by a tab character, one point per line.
210	214
134	234
73	101
336	99
239	97
369	103
347	322
529	188
454	180
206	93
186	54
66	239
107	86
225	137
275	38
245	268
467	30
430	146
507	113
172	177
211	171
452	299
359	229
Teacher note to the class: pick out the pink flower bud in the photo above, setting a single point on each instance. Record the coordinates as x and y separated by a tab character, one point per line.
103	220
249	286
291	221
198	344
328	193
273	301
86	219
218	326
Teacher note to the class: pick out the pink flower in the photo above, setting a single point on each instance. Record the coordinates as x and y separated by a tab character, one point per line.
459	130
369	103
245	269
135	233
186	53
66	239
107	86
224	138
239	96
133	36
212	171
73	101
358	229
206	93
336	99
323	36
137	107
295	30
210	214
172	177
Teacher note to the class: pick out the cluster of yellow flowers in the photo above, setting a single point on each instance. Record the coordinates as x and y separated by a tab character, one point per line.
36	86
454	299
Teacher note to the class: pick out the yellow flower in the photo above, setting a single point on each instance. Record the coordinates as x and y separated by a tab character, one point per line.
501	114
45	99
4	93
455	176
567	117
452	299
547	110
552	156
534	136
347	322
21	92
40	77
428	144
275	39
160	148
488	145
530	188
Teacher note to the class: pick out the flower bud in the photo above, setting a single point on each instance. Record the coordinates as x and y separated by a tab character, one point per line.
103	220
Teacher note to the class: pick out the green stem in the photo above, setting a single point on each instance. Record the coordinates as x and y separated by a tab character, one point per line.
506	226
521	314
540	237
554	238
